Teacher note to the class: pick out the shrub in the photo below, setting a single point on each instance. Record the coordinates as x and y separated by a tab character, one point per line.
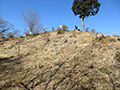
99	38
27	33
11	35
53	28
87	29
112	40
103	70
93	31
36	34
21	36
118	39
44	29
60	31
64	27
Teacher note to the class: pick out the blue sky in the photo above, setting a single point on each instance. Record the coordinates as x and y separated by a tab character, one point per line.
56	12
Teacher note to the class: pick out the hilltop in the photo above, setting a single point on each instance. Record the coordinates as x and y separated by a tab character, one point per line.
67	60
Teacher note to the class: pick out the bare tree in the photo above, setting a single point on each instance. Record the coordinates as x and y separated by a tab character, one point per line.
53	28
12	33
5	28
32	21
87	29
93	31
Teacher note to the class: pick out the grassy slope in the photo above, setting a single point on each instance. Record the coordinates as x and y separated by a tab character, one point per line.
68	61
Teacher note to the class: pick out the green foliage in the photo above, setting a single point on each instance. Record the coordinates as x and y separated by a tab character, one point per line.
57	78
85	8
103	70
99	38
76	57
21	68
76	47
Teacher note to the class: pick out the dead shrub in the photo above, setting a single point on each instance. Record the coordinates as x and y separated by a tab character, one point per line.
60	31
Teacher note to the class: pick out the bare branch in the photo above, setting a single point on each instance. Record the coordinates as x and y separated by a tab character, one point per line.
32	21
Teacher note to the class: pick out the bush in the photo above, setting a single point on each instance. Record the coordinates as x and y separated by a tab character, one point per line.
93	31
60	31
27	33
112	40
103	70
44	29
53	28
64	27
87	29
36	34
21	36
118	39
10	35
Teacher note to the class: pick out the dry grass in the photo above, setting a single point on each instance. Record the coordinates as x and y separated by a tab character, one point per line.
69	61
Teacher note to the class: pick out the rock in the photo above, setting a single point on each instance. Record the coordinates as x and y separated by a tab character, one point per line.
65	41
57	62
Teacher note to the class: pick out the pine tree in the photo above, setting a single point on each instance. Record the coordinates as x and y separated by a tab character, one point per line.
85	8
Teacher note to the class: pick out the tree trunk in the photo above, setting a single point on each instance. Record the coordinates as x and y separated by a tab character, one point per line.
82	23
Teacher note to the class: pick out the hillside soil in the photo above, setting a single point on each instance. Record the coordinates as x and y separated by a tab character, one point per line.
71	60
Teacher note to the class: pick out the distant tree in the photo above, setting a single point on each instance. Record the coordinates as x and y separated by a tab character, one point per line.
12	33
76	28
85	8
27	33
64	27
87	29
44	29
59	31
93	31
32	21
5	28
53	28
